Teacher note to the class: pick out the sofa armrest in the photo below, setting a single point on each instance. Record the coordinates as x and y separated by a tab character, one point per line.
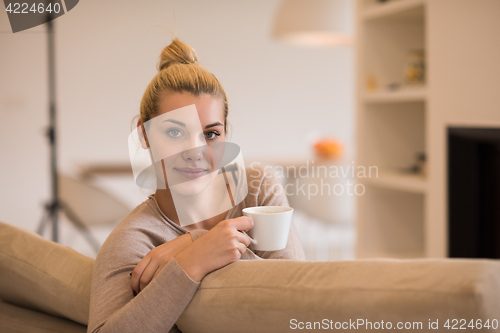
278	295
38	274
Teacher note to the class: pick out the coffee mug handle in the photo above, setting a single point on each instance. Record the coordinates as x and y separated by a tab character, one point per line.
254	242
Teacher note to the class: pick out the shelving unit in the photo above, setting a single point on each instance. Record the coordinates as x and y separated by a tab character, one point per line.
391	126
402	215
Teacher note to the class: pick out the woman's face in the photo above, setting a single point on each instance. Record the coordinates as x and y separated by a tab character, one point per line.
180	137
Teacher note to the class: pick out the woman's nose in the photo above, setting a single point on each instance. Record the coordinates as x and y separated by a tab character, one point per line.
194	154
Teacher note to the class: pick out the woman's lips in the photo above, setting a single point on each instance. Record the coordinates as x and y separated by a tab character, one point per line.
191	173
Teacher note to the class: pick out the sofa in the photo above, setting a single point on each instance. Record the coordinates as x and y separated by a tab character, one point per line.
45	287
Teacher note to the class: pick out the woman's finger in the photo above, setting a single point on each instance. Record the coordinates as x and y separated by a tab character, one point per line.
243	238
137	272
242	248
242	223
148	273
163	264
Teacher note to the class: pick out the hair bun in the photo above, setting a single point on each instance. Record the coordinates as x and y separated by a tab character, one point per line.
177	52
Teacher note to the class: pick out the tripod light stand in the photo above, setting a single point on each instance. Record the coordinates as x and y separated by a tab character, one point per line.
52	208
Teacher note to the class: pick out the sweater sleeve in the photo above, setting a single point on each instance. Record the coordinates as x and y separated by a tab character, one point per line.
113	308
197	233
272	193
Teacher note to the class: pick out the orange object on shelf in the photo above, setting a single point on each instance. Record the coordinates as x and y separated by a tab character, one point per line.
328	148
371	83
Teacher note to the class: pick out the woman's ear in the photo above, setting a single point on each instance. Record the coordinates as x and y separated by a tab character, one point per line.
141	132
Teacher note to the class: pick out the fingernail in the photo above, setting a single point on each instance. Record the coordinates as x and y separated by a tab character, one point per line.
135	294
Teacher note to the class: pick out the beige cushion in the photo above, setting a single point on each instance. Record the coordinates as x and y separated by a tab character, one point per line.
265	295
42	275
14	319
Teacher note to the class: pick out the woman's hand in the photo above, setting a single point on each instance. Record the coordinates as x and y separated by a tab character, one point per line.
221	245
152	264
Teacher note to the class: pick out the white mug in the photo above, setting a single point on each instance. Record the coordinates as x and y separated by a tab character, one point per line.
271	226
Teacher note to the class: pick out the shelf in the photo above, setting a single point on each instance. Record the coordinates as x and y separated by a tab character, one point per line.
396	10
402	95
399	181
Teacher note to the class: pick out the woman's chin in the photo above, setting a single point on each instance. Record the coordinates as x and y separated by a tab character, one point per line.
190	188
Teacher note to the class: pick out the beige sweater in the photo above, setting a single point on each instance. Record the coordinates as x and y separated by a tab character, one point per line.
113	308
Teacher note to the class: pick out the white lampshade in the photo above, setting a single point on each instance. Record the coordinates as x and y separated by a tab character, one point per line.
315	22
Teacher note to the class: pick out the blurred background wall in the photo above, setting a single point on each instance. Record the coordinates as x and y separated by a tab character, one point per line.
107	53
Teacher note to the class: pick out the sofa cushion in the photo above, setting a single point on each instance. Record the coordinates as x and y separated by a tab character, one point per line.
279	295
42	275
15	319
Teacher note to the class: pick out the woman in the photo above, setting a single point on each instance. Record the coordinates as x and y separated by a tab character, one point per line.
151	265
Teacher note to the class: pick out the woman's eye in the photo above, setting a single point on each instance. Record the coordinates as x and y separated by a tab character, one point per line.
175	133
211	135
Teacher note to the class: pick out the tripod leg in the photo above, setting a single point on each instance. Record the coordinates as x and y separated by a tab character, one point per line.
81	227
43	222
